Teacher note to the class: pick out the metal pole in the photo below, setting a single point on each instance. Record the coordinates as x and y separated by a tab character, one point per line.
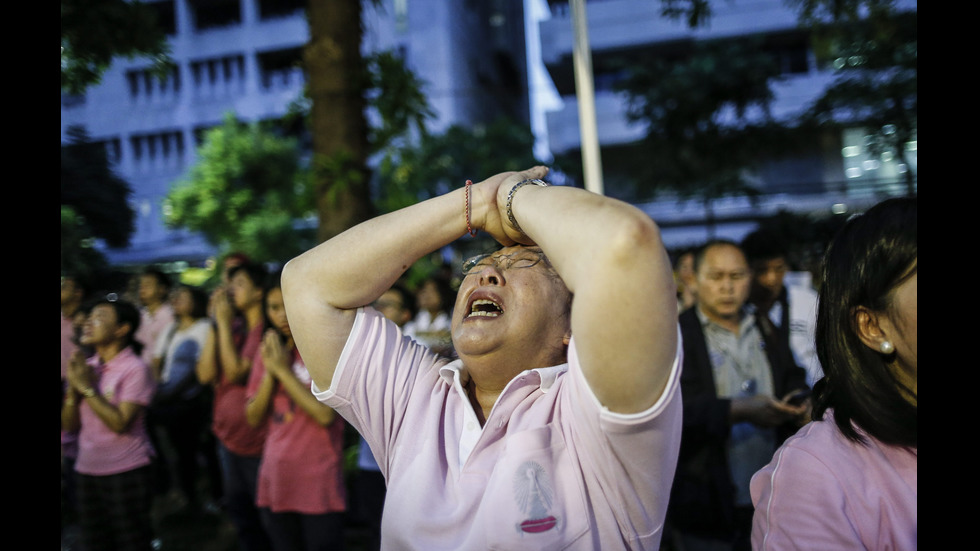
582	60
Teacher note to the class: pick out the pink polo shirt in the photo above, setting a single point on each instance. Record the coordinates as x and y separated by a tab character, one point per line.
302	467
229	423
151	325
101	452
823	491
551	468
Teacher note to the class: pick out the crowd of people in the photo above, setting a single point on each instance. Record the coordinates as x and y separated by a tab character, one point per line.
581	389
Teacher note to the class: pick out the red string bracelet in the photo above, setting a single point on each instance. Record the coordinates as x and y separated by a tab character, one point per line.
468	227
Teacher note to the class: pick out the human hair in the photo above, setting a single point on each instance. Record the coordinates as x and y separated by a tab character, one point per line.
701	251
162	278
200	299
408	298
871	255
272	281
126	313
255	272
764	244
444	290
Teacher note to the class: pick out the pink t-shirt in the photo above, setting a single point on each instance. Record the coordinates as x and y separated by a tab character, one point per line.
302	461
551	468
823	491
229	423
124	378
69	439
151	325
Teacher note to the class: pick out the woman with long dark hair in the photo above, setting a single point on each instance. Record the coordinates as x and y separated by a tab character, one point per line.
849	479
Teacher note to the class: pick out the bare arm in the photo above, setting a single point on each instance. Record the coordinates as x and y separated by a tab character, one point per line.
624	310
207	364
609	253
323	287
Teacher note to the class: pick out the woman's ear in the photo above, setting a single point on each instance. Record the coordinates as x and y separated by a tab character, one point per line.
868	329
567	338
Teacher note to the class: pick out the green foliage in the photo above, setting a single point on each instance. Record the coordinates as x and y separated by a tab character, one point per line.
441	162
707	117
876	62
246	192
395	94
78	256
96	196
95	31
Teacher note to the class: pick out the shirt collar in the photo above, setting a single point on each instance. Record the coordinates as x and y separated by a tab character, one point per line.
455	373
745	319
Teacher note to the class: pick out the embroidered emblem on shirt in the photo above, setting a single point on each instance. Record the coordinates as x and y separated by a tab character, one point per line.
533	493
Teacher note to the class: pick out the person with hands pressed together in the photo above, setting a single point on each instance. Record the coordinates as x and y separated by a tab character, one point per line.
558	425
301	493
225	363
737	385
106	401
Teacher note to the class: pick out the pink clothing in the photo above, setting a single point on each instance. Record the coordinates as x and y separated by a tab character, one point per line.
151	325
823	491
69	439
303	461
124	378
551	468
68	345
229	423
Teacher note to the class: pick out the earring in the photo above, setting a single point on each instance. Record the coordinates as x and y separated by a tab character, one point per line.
886	347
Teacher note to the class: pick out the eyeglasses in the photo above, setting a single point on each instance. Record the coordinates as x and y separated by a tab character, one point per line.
520	259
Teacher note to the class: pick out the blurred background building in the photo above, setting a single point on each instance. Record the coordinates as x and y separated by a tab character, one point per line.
838	173
245	57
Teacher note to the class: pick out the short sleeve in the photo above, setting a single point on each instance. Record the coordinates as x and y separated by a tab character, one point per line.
800	504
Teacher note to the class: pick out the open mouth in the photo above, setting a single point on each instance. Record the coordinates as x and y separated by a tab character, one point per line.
485	308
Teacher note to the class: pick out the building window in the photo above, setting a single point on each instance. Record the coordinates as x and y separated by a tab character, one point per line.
165	15
158	151
113	149
271	9
144	85
867	172
211	14
281	69
218	76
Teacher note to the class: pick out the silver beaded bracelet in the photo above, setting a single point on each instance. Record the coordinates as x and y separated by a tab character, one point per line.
510	198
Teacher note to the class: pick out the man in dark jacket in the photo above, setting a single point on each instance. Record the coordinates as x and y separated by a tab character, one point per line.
737	388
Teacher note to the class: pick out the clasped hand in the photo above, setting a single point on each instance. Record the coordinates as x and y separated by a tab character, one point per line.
274	354
80	374
492	195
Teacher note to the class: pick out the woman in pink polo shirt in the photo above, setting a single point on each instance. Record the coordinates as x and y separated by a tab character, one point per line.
849	479
558	425
301	492
106	402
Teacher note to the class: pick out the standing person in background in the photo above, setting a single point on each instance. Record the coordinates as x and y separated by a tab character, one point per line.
792	310
225	364
301	492
180	411
156	312
684	277
106	402
73	293
558	425
736	385
431	324
849	480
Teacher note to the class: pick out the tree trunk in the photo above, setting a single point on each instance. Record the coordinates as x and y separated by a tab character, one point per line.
338	123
